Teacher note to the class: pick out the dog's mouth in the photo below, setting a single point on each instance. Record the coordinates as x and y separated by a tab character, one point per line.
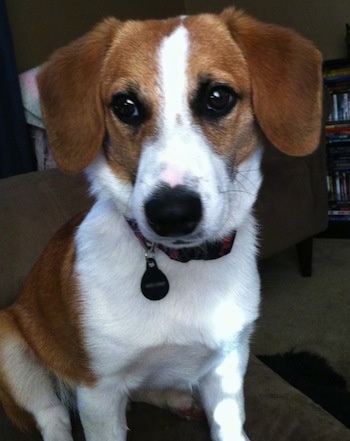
149	236
182	242
184	250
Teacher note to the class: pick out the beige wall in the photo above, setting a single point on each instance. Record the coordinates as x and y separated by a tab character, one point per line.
40	26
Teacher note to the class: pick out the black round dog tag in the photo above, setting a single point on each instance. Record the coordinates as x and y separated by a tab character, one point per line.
154	284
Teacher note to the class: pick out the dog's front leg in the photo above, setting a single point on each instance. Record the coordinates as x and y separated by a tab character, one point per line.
102	410
222	396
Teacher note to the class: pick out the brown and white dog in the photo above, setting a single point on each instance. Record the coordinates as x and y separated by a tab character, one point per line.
168	119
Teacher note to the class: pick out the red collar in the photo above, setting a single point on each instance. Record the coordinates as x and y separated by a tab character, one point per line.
206	251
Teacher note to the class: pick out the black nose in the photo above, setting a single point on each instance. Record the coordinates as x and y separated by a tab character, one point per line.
173	211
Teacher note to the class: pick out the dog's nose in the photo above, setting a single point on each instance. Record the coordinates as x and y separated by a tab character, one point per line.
173	212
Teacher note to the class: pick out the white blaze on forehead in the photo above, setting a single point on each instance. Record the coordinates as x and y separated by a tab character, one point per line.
173	79
173	55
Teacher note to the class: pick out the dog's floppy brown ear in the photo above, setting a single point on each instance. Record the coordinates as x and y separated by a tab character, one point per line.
70	102
286	81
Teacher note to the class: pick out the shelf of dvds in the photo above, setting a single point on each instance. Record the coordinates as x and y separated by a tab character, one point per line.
337	82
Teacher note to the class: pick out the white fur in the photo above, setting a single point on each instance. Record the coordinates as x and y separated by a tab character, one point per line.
33	389
197	336
173	71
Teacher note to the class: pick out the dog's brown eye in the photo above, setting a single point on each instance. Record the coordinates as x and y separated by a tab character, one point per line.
128	108
219	98
214	101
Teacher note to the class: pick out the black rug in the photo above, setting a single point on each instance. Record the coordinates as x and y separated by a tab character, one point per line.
313	376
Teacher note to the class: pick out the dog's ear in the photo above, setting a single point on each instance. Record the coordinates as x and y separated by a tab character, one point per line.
70	98
286	79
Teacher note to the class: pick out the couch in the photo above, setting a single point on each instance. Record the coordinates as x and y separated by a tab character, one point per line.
290	208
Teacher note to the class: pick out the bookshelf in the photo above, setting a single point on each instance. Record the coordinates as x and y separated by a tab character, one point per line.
337	82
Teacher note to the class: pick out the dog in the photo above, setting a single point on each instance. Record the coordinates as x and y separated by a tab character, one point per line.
152	295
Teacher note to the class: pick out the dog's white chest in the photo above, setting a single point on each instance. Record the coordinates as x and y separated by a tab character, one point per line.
168	366
163	341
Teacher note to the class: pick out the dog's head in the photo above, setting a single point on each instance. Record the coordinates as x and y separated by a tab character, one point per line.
168	115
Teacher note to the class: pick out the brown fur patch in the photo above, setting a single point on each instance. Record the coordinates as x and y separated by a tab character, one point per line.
132	62
215	55
48	311
286	75
70	101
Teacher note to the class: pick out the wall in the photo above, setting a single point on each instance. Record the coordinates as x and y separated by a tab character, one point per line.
322	21
40	26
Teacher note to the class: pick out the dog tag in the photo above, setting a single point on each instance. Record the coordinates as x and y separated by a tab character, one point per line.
154	284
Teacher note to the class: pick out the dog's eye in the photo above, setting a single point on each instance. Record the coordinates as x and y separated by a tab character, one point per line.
215	101
219	98
128	109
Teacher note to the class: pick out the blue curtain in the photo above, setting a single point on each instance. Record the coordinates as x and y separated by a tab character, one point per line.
16	155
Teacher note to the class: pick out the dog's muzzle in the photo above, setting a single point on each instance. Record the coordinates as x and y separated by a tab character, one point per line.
173	211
